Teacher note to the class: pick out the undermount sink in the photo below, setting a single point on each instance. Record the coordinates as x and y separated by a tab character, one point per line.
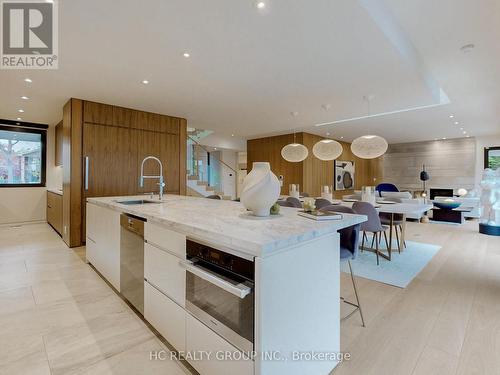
137	202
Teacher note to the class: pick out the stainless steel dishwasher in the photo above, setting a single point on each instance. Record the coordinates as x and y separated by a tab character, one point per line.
132	260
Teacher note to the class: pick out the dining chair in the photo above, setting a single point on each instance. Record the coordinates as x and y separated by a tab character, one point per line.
397	223
305	195
294	201
321	202
349	247
285	204
374	226
213	197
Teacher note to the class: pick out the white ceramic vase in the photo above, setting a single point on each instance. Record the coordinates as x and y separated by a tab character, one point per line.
261	189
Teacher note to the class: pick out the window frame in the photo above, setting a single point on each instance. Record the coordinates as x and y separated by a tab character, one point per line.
43	141
486	155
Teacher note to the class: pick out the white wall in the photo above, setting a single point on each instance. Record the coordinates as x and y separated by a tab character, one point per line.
224	141
228	176
19	205
481	143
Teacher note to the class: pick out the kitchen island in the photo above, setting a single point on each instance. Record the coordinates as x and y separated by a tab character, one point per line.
293	289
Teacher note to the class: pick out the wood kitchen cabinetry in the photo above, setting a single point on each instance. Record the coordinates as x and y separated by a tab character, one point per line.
104	146
55	211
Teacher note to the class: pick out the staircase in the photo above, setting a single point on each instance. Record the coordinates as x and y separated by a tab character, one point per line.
199	188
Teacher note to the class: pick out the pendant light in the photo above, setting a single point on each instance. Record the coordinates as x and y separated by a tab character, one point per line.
294	152
369	147
327	149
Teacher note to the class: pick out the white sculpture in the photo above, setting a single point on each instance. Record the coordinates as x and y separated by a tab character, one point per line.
261	189
490	197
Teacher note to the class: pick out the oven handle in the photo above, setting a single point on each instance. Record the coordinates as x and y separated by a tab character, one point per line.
239	290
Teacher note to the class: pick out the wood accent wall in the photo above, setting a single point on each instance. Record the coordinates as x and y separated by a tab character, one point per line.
72	172
116	139
312	173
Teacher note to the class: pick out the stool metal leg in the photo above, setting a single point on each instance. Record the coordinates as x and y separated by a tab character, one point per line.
357	305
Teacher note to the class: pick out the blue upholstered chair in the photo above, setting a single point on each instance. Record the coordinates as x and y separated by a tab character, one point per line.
386	187
349	247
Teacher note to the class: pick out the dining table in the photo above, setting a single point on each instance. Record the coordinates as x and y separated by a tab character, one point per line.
392	208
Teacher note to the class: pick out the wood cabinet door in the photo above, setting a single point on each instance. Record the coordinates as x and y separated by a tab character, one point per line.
109	161
170	158
146	143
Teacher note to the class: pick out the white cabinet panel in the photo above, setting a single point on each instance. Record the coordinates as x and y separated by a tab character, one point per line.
92	253
163	270
91	221
103	249
166	239
166	316
200	338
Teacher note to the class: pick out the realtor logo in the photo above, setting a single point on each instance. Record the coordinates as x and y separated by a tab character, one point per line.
29	34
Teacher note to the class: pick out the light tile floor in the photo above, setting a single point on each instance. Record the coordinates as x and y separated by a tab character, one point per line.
57	316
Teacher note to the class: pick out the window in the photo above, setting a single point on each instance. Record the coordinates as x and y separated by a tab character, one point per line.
22	156
492	157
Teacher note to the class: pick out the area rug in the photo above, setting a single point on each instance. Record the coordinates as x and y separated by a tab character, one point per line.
400	271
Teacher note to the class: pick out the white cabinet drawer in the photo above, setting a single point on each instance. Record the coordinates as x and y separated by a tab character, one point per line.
166	316
163	270
200	338
166	239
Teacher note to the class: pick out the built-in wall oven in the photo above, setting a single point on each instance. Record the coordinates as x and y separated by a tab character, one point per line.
220	292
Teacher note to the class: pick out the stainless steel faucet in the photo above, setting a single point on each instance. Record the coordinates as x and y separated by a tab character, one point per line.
160	177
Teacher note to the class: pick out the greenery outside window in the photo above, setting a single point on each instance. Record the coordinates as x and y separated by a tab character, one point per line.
22	157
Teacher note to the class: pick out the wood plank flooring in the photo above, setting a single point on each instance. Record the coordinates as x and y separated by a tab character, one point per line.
57	316
447	321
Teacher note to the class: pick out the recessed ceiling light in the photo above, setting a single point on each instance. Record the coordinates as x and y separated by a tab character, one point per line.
19	119
328	134
261	5
145	82
20	110
232	135
215	148
341	137
464	132
444	138
28	80
456	123
451	116
24	97
186	55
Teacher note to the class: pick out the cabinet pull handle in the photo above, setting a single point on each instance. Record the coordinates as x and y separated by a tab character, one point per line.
86	183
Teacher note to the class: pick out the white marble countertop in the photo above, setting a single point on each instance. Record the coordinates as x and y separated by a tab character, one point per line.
56	191
227	223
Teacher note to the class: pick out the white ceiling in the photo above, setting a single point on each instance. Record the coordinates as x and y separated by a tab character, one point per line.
249	69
